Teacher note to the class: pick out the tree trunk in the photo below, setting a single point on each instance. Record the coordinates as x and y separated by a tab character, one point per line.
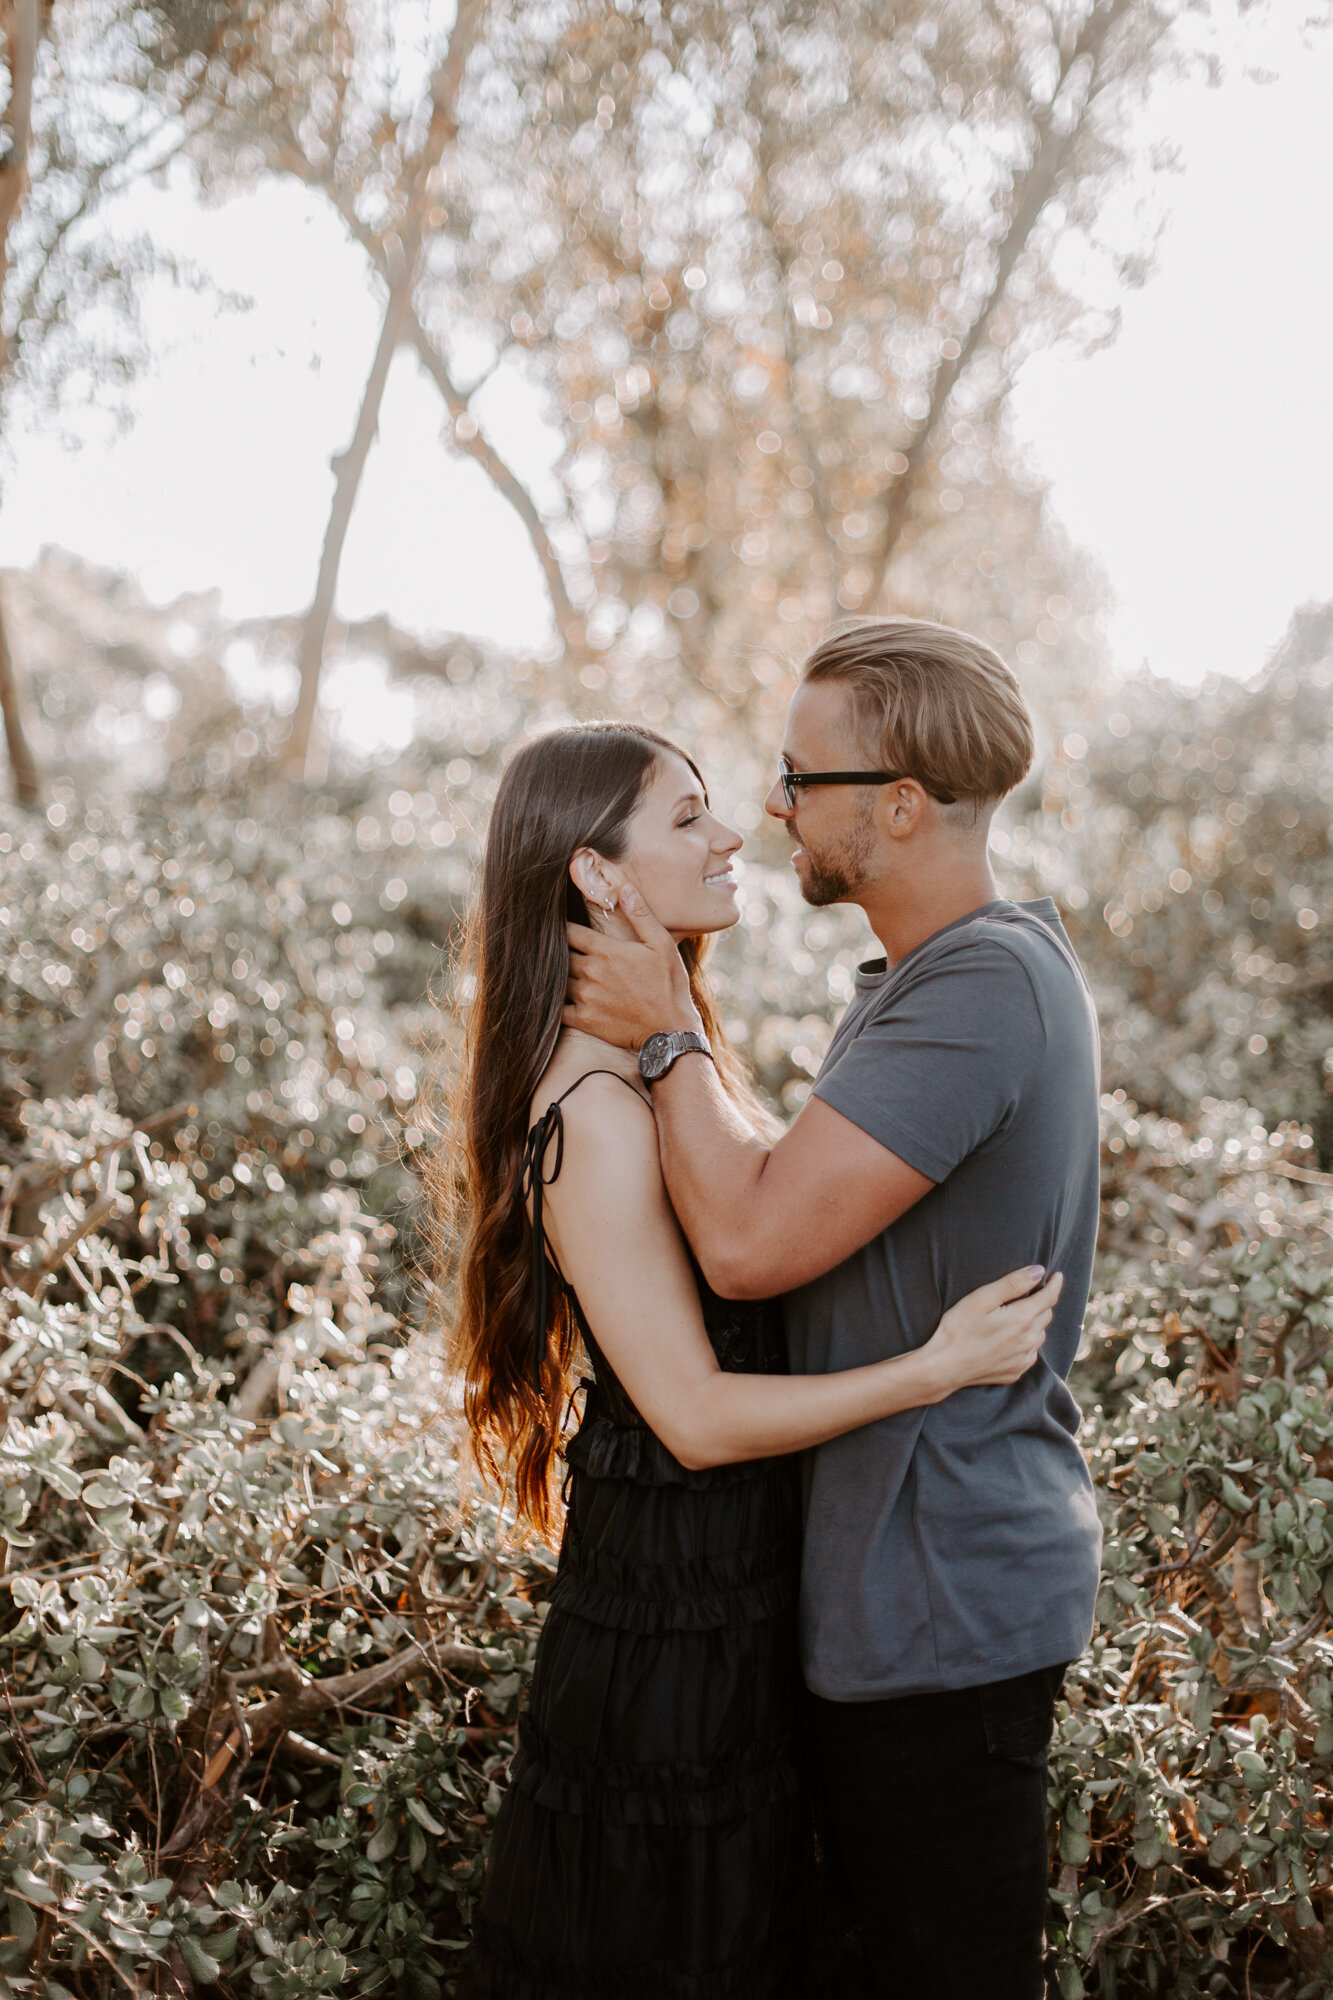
1051	152
16	129
400	267
15	136
348	468
22	763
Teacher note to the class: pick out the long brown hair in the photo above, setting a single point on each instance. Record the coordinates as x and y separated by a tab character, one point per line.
576	787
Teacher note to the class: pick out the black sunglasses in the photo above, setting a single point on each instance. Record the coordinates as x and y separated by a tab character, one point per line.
791	779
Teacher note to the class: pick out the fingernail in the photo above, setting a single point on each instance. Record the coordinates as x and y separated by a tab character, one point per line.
629	898
1036	1271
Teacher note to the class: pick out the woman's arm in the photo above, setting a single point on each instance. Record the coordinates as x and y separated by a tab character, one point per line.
618	1243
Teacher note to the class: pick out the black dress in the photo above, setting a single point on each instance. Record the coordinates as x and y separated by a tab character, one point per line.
654	1840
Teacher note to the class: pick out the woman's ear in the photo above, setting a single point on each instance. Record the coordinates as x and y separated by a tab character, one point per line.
588	873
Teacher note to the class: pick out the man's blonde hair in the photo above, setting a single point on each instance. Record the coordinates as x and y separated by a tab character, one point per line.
933	703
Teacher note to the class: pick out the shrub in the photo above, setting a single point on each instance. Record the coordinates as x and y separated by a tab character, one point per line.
261	1648
1186	834
262	1665
1190	1779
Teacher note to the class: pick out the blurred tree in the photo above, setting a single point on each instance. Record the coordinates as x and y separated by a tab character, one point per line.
22	763
775	271
101	95
755	257
1186	832
19	24
399	247
361	107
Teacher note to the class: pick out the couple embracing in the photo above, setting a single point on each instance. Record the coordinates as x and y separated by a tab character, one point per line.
830	1541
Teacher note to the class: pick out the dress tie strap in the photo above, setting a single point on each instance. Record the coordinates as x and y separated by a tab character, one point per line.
533	1177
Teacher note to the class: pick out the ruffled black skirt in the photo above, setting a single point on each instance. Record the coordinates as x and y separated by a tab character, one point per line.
655	1839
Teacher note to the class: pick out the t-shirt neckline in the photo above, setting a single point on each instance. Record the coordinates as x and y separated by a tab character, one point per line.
872	972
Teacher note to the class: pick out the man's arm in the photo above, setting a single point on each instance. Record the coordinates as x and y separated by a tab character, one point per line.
760	1220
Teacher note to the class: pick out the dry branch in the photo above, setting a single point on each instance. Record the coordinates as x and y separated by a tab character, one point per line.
301	1702
1052	152
401	255
471	439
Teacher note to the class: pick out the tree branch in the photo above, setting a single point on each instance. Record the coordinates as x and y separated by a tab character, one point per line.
301	1702
1032	190
22	762
569	621
348	467
401	256
506	481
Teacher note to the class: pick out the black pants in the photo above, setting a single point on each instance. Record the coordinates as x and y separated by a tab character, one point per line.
936	1816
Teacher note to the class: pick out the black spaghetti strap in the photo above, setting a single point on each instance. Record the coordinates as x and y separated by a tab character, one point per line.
532	1178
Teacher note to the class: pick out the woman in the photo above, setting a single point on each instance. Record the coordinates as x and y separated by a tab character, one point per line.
653	1840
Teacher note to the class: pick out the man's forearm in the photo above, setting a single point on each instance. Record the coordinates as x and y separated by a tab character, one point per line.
713	1165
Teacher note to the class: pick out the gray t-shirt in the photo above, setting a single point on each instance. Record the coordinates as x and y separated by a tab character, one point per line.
958	1544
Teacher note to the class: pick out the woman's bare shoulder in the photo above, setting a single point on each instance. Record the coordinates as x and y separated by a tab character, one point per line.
609	1138
609	1188
577	1080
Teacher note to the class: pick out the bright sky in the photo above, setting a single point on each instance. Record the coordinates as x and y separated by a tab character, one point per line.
1190	458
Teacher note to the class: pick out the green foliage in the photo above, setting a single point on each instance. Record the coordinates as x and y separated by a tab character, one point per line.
263	1653
1192	853
262	1650
1190	1775
167	1565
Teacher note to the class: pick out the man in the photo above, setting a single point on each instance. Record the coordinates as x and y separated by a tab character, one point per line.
951	1553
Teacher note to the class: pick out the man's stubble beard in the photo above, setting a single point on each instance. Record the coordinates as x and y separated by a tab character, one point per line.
839	877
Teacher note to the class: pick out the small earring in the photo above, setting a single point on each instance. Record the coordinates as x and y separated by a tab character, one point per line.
610	908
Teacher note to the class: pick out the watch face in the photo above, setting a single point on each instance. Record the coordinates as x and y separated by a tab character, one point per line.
655	1057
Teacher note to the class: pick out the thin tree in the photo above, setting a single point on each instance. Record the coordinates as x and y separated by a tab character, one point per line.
1087	65
350	144
401	258
19	22
88	114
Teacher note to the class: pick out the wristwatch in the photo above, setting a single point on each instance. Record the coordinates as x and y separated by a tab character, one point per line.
660	1051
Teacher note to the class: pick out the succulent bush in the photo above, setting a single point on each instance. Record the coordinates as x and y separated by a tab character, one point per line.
262	1645
260	1663
260	1650
1185	833
1192	1777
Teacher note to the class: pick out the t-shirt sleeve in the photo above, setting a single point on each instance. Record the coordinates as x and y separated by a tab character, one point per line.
941	1063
